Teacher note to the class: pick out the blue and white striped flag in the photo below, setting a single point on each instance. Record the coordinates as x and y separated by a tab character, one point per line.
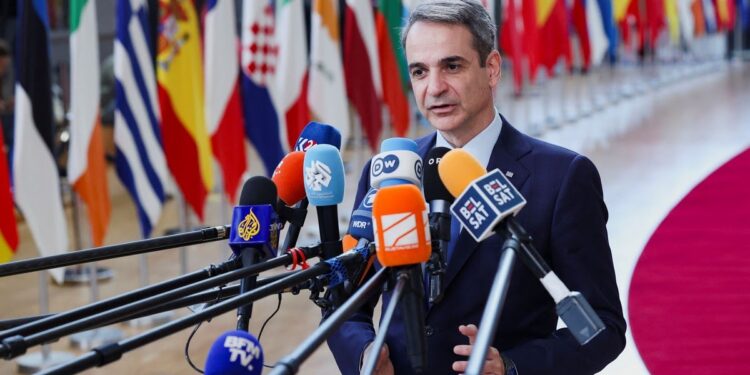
140	160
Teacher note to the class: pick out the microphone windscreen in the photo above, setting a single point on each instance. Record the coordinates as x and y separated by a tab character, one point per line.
289	178
324	175
258	190
458	169
399	216
235	353
434	189
360	224
396	144
316	133
348	242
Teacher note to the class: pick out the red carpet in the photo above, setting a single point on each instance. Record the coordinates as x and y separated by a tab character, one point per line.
689	302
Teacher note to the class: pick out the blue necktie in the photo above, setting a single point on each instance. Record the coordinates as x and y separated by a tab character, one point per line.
455	230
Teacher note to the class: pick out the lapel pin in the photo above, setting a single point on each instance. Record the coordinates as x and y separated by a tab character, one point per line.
509	174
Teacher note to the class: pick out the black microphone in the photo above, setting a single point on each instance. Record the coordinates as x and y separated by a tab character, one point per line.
255	233
440	200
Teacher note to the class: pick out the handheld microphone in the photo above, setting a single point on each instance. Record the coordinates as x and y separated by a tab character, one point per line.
403	242
255	233
397	163
316	133
487	203
440	200
360	224
235	353
289	179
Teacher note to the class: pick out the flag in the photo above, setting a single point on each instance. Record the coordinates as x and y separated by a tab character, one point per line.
530	36
36	180
673	20
601	30
696	8
139	157
8	229
87	169
223	106
552	23
655	19
687	23
581	26
511	34
709	14
290	90
388	18
327	92
179	74
725	14
362	68
258	56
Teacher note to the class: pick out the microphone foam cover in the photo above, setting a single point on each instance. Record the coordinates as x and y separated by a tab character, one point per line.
399	216
396	144
458	169
258	190
235	353
316	133
289	178
324	175
434	189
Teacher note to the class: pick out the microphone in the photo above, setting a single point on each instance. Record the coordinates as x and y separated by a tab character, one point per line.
316	133
235	353
403	242
397	163
486	201
440	200
289	179
255	233
360	224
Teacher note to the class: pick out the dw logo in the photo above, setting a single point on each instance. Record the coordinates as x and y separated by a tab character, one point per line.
418	168
400	231
386	164
317	176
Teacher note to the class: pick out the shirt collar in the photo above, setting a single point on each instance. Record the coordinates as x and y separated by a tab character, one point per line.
482	144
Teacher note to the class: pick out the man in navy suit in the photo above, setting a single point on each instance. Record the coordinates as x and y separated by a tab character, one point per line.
454	70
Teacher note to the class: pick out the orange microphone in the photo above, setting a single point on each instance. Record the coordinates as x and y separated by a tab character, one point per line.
289	178
402	235
458	169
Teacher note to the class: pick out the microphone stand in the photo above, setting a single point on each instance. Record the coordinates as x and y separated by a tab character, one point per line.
385	323
115	251
290	363
17	345
109	353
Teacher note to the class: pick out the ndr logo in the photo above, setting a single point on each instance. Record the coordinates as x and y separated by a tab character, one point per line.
386	164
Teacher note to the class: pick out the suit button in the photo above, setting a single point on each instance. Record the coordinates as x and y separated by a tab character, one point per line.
428	331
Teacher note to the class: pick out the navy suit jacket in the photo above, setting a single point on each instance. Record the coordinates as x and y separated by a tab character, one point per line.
566	216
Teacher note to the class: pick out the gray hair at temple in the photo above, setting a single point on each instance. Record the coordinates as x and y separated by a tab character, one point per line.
469	13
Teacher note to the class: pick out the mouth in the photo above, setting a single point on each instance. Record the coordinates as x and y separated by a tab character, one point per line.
441	108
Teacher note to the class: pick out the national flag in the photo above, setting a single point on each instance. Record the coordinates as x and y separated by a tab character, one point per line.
139	156
36	180
388	18
362	68
8	228
655	19
687	23
581	27
290	89
696	8
743	10
223	106
511	39
258	62
179	73
531	39
601	28
725	14
552	25
709	14
327	92
673	20
87	169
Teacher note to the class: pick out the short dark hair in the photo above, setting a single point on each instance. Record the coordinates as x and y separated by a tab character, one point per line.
469	13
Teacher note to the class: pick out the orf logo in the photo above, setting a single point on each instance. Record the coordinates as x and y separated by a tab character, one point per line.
303	144
386	164
317	176
249	227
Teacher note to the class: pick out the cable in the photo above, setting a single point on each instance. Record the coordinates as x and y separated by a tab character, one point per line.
278	306
190	338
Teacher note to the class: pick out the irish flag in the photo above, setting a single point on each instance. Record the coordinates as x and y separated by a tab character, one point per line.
86	163
179	72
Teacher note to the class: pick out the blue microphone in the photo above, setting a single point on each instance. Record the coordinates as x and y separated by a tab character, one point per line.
360	225
255	233
316	133
235	353
397	163
324	185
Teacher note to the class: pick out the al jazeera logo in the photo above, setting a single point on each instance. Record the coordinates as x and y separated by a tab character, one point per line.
249	227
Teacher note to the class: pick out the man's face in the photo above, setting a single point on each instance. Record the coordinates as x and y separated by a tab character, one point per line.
453	92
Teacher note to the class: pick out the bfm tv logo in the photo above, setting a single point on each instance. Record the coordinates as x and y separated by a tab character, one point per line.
317	175
474	211
242	350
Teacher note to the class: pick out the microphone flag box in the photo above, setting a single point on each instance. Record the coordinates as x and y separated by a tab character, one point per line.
255	226
485	202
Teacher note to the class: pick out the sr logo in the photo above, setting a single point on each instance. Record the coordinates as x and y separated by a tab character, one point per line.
418	169
386	164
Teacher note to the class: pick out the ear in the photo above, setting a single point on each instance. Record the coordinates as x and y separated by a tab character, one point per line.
493	68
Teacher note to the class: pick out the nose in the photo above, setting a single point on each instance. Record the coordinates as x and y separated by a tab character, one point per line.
436	85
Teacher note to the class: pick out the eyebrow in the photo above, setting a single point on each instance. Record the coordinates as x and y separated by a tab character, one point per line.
443	61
